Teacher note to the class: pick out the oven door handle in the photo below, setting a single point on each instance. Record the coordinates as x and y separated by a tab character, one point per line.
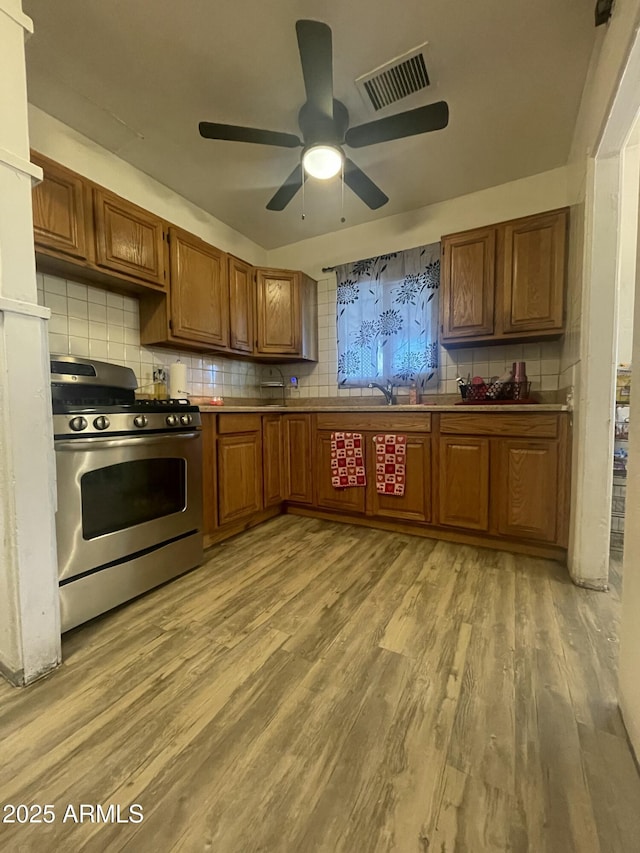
112	443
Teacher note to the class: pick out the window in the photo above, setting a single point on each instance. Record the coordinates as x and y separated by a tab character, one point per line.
387	318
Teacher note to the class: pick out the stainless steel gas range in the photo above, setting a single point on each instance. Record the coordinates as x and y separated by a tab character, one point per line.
129	476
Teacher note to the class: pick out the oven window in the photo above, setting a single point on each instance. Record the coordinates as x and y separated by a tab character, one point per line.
119	496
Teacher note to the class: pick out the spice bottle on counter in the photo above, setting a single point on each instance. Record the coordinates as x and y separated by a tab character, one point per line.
413	394
520	380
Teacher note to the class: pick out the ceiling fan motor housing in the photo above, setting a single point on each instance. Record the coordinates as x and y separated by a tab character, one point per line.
316	127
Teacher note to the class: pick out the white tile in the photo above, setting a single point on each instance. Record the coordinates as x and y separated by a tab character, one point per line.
115	351
115	334
98	349
94	294
79	346
98	313
549	366
132	337
115	300
132	353
77	291
77	308
115	316
549	383
481	368
59	344
78	328
130	303
58	324
98	331
56	302
531	351
131	320
40	281
53	284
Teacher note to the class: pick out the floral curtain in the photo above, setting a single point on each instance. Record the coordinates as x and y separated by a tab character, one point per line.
387	318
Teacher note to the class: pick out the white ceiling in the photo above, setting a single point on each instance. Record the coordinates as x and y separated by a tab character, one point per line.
137	77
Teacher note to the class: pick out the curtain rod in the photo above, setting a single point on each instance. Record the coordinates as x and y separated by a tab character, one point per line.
360	260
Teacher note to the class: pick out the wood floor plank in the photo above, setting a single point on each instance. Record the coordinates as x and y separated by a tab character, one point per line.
322	687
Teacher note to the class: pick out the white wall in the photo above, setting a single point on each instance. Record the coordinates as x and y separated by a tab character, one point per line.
65	145
425	225
29	612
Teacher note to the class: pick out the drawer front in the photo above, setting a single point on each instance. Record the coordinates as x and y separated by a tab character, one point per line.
238	423
539	426
374	422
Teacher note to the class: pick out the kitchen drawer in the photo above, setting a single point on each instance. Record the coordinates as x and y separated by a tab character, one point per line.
239	423
540	426
372	421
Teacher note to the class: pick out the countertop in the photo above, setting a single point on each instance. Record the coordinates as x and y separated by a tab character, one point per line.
493	408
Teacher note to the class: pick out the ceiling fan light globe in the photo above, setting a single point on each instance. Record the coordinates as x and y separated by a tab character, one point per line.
322	161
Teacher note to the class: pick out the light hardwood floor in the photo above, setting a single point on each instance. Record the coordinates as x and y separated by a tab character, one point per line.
322	687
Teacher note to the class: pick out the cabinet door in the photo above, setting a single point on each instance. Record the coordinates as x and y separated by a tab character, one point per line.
272	459
297	458
415	504
129	240
468	284
59	210
199	290
464	482
534	272
239	476
527	488
241	299
278	306
351	499
209	479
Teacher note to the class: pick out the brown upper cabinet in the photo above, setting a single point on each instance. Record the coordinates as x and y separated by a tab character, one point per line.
287	314
129	239
241	302
199	290
505	282
60	210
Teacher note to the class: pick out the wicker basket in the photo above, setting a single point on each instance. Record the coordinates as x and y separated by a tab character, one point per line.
491	391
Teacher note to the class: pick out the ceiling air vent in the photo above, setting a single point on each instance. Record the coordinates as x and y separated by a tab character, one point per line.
395	80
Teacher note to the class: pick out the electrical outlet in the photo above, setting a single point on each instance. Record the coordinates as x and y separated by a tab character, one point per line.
159	374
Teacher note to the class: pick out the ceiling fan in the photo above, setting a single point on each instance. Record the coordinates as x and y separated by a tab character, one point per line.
324	124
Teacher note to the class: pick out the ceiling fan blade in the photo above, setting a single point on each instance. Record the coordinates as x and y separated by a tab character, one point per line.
363	186
314	44
232	133
421	120
287	191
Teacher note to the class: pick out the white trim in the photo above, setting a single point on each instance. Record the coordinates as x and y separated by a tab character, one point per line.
625	103
26	309
26	167
20	18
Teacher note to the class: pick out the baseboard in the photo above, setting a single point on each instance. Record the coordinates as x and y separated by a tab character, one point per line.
13	676
597	584
229	530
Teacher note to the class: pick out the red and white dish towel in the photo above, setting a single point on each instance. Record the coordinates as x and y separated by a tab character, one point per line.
347	460
391	457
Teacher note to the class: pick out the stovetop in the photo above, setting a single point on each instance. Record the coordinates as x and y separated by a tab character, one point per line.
76	420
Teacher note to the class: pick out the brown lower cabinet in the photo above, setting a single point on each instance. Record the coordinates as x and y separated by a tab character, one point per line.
239	476
498	480
326	496
272	460
464	482
298	458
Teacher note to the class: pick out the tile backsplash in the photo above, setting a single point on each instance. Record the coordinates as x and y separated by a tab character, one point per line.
90	321
319	380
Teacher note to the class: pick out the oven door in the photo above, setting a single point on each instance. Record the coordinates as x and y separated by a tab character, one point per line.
118	497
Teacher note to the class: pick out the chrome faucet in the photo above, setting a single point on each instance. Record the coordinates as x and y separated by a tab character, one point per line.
387	390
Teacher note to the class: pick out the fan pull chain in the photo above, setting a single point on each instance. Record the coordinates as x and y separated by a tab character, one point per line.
303	183
342	219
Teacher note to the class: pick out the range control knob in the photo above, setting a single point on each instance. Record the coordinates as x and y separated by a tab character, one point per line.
185	420
78	423
172	420
101	422
140	421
